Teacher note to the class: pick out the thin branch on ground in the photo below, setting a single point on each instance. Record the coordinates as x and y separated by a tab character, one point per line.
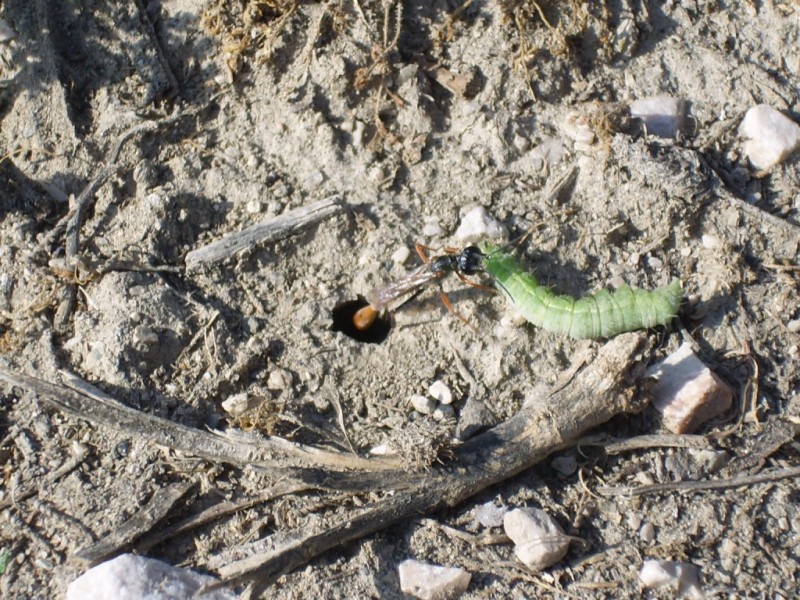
701	486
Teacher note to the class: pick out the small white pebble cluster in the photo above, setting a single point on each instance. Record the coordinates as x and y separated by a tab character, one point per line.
438	402
769	136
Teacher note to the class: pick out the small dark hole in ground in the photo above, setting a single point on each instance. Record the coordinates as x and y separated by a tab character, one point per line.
343	321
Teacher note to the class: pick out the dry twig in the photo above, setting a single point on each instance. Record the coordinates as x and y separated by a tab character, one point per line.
269	230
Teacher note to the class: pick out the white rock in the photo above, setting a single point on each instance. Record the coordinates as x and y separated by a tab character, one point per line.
688	393
254	207
490	515
711	460
662	116
238	404
432	582
279	379
710	242
647	533
441	392
384	449
314	179
478	224
400	255
444	412
771	136
661	573
423	404
538	539
130	577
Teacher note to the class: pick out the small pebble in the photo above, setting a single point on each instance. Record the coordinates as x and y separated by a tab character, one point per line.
432	582
444	412
710	241
794	325
441	392
566	465
478	224
539	541
687	393
279	379
254	207
144	337
647	533
401	255
432	230
655	263
663	116
770	136
521	143
490	515
130	577
423	404
661	573
383	450
238	404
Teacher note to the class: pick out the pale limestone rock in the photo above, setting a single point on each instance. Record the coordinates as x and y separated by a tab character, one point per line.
441	392
423	404
539	541
130	577
770	136
662	573
432	582
688	393
478	224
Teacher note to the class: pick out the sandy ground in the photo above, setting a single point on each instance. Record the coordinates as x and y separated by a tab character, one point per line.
413	113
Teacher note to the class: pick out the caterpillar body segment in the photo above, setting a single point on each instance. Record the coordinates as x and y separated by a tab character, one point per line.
600	315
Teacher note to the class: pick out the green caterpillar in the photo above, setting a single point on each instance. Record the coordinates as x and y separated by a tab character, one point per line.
601	315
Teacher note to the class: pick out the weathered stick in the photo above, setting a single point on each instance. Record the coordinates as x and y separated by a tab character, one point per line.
317	467
601	391
266	231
